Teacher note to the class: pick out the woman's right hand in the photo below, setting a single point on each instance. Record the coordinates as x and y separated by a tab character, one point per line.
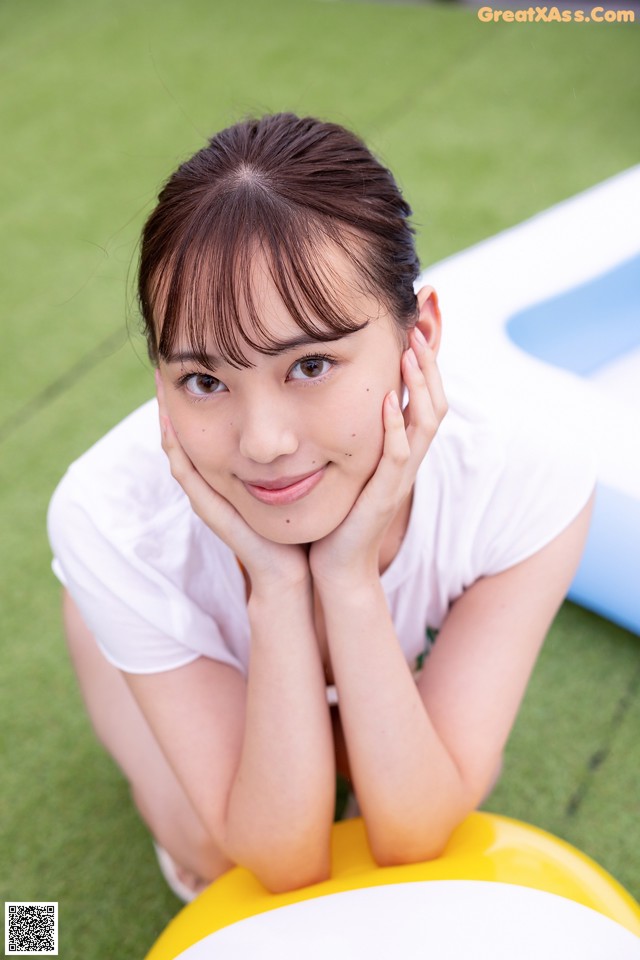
221	731
267	564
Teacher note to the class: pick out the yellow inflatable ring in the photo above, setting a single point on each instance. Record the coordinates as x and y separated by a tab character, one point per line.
485	847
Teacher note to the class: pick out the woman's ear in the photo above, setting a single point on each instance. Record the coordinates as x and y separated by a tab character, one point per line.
429	321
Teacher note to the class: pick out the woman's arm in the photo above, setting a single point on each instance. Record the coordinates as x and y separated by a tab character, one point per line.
282	800
257	763
423	756
255	760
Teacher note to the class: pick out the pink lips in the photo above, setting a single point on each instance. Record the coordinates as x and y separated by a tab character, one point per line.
285	489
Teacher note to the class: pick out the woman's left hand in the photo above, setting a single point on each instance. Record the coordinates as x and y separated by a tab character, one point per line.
351	551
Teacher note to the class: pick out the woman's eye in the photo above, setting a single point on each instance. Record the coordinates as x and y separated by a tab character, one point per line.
202	384
310	368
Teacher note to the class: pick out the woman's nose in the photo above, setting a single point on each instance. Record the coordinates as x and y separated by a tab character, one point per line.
266	432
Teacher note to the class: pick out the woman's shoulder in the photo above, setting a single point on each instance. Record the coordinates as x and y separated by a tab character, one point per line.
521	439
513	476
123	481
153	584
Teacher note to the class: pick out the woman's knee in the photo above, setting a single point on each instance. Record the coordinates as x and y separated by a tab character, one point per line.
122	729
177	829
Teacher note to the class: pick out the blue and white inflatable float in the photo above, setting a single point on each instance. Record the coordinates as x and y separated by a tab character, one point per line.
550	310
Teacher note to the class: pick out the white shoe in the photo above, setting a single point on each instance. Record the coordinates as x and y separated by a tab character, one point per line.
170	873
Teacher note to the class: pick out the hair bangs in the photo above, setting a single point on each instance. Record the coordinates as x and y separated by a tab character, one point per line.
283	195
206	296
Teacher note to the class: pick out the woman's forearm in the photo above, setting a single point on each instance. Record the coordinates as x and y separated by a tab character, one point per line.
282	799
409	788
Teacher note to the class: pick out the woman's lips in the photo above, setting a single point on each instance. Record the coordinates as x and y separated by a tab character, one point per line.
286	489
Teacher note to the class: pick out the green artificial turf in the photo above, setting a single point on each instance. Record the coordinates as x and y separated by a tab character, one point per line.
484	124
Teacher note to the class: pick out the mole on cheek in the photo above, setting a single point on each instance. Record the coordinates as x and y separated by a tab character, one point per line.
288	521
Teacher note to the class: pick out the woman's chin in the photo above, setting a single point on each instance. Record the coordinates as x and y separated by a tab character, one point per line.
291	530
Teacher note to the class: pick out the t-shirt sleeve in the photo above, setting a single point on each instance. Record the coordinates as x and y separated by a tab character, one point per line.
548	474
141	620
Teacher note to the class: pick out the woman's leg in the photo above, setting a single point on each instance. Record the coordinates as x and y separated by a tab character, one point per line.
124	732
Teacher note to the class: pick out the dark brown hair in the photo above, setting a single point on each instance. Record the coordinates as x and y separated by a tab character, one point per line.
284	187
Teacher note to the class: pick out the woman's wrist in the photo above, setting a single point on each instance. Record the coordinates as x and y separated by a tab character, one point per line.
350	586
280	571
274	591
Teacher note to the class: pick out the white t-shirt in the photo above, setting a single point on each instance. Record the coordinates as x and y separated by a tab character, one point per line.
158	589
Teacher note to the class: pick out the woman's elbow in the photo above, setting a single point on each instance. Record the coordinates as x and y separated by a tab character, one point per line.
396	851
281	867
283	860
279	878
416	838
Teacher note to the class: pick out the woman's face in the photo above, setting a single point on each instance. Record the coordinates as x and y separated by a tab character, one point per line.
292	440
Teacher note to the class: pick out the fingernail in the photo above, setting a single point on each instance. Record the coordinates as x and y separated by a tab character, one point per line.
420	337
393	400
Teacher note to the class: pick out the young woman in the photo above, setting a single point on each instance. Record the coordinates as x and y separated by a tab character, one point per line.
254	579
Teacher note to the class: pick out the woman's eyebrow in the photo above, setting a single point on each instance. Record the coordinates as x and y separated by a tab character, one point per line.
281	346
305	340
190	356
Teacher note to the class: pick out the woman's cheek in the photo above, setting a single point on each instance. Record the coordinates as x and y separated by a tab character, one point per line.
362	440
196	439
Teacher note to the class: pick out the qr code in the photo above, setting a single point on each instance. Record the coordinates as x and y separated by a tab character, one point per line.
31	929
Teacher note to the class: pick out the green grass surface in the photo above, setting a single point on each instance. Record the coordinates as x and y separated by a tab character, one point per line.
485	125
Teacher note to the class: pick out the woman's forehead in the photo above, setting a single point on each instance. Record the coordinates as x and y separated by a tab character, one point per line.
264	304
338	280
